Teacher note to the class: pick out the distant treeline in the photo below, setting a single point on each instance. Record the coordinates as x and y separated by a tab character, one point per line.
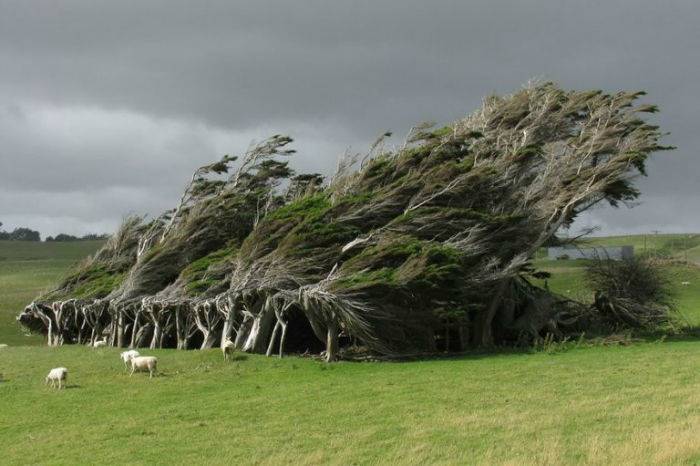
27	234
88	237
20	234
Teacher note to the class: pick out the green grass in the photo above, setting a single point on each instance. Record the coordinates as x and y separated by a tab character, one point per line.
634	404
671	245
28	268
569	279
604	405
568	276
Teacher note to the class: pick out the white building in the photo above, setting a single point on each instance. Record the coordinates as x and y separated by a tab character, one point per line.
597	252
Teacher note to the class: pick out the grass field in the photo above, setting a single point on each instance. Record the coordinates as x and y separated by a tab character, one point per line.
637	404
602	405
26	269
568	279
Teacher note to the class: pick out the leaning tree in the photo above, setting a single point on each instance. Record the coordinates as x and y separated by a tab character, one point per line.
418	248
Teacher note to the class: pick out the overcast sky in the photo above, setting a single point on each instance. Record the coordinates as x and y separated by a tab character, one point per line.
106	107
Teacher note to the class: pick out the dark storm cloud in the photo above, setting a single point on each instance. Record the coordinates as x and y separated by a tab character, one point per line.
117	101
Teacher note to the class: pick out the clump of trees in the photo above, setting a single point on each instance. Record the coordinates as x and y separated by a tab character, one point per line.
20	234
63	237
415	249
27	234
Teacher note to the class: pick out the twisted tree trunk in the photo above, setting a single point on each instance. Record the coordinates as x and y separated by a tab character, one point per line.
332	342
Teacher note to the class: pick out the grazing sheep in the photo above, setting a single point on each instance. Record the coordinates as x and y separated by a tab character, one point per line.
685	283
128	356
227	348
59	374
100	343
3	345
143	363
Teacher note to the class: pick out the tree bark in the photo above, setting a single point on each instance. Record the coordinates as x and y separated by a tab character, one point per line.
209	340
120	329
157	329
332	343
141	335
228	325
484	332
282	338
243	332
272	339
135	330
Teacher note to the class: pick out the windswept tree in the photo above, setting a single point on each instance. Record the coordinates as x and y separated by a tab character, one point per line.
421	248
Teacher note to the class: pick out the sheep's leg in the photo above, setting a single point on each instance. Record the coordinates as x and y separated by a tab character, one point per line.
132	370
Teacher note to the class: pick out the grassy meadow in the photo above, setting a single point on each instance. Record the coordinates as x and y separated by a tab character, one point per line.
26	269
577	403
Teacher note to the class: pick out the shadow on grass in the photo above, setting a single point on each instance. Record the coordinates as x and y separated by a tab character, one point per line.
691	333
238	357
685	334
460	355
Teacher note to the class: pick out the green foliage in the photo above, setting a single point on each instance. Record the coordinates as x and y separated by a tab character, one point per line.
403	262
97	283
450	220
207	271
307	207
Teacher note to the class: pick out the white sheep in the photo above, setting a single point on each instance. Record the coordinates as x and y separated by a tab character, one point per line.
685	283
100	343
59	374
143	363
128	356
227	348
3	345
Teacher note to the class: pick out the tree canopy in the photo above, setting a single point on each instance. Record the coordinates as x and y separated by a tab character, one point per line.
404	250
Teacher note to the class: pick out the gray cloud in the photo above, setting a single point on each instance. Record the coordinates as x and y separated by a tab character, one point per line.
105	107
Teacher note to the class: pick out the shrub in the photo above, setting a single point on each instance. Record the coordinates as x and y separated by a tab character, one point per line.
633	292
